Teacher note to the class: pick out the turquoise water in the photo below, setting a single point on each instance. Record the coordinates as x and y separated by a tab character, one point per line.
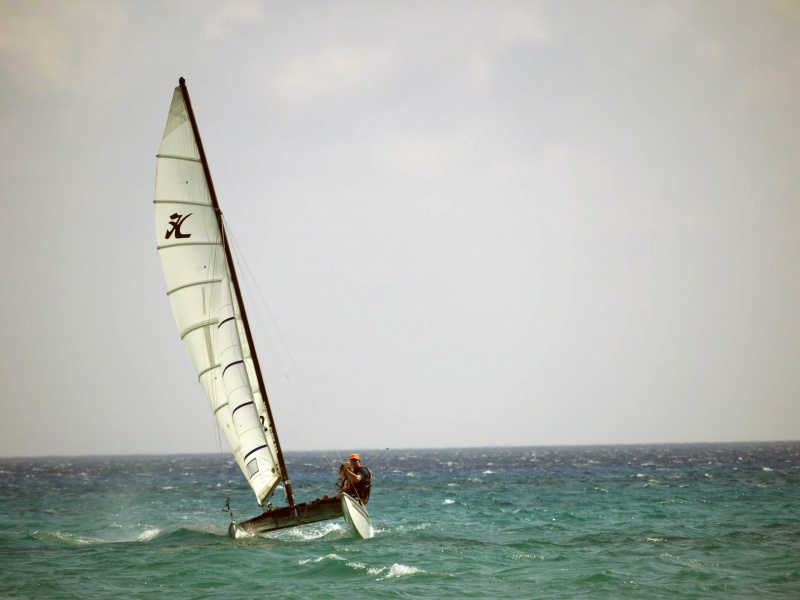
707	521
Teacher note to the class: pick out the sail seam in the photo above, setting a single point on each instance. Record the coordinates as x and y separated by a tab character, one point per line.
236	362
176	157
188	285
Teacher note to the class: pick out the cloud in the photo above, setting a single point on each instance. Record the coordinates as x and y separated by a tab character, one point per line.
329	70
420	154
219	19
491	30
341	56
60	49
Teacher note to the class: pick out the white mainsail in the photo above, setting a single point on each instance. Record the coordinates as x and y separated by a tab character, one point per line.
205	305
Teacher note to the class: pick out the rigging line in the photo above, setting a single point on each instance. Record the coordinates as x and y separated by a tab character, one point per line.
376	457
252	289
241	260
259	391
246	284
220	457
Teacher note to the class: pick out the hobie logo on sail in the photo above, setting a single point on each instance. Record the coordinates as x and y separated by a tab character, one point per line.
177	221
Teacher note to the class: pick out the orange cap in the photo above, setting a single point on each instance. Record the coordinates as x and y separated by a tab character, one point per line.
355	457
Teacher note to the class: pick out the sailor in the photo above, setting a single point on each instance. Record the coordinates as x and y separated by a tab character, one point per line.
357	479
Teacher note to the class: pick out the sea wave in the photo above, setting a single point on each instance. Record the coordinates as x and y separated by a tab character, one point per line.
397	570
148	534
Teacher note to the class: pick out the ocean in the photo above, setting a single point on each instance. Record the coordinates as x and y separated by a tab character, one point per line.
650	521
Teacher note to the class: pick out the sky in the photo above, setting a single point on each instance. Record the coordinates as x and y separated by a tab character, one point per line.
467	223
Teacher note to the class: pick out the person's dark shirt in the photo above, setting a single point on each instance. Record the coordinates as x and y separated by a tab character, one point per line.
363	487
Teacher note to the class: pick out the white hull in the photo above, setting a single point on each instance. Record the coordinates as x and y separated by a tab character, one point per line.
357	517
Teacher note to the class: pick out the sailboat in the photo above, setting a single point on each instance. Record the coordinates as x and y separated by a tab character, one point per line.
206	301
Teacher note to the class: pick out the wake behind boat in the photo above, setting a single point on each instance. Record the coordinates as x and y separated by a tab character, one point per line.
206	301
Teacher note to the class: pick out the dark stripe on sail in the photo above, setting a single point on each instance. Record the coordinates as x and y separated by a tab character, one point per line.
241	405
236	362
253	450
225	321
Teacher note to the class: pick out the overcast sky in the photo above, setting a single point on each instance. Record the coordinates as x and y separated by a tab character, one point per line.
473	223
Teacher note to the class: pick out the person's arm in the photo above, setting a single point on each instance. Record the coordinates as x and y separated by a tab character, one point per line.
351	476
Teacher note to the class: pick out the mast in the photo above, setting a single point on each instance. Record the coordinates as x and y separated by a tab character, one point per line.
287	486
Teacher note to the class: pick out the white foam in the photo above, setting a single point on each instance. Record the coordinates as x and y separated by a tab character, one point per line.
148	535
398	570
321	558
312	531
67	538
448	501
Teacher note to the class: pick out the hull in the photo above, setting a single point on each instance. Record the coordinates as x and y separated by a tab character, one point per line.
288	516
356	516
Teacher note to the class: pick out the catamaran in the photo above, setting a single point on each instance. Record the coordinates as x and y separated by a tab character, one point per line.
206	301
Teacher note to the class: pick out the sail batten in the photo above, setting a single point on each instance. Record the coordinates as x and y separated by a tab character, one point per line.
173	157
197	326
181	245
193	284
173	201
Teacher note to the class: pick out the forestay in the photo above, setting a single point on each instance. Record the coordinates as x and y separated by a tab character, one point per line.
204	303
